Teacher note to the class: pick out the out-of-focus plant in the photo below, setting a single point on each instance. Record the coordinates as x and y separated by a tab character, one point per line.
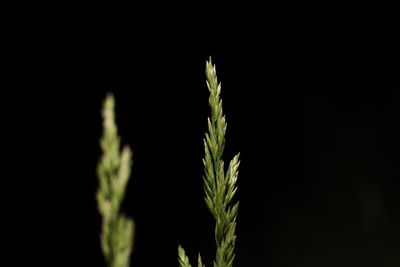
219	187
113	173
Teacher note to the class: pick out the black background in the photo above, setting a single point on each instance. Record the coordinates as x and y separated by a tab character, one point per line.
312	107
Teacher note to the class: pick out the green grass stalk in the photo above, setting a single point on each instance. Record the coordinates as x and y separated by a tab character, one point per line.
113	173
219	187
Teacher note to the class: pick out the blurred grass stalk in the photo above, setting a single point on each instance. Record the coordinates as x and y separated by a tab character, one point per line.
113	173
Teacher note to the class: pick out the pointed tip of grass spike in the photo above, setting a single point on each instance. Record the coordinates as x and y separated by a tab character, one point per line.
108	113
210	64
109	101
210	71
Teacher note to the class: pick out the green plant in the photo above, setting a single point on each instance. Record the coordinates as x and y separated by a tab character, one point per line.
113	173
219	187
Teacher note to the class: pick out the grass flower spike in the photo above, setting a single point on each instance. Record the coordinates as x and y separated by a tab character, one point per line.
113	172
219	187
